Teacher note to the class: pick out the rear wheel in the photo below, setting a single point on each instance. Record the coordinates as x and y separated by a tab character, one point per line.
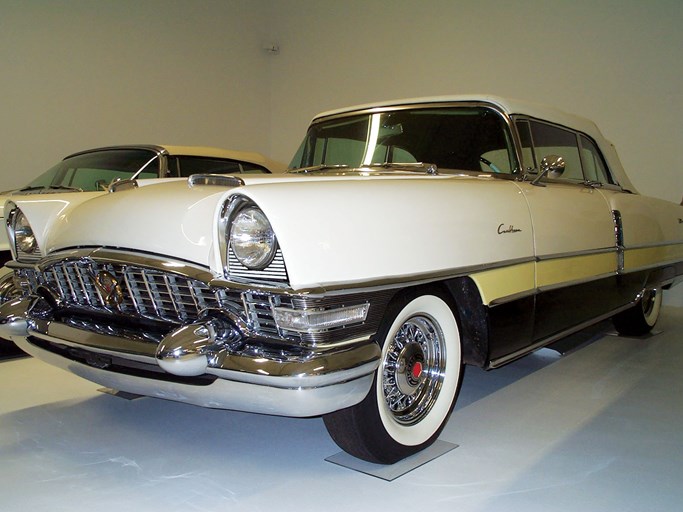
415	386
642	317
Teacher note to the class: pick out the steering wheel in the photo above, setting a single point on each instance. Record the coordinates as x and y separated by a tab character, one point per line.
490	164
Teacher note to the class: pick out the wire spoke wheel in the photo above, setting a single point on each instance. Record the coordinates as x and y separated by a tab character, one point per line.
413	369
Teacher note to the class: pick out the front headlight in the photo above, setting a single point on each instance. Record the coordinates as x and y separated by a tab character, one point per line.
252	238
23	240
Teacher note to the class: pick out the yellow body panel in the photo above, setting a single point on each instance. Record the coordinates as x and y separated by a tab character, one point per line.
649	256
576	268
505	282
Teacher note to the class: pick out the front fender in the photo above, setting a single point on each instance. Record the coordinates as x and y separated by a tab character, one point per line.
375	230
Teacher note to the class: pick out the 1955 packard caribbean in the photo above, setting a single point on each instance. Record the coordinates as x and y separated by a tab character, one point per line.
408	239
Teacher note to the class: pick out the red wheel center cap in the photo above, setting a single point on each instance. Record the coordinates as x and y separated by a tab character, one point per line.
417	370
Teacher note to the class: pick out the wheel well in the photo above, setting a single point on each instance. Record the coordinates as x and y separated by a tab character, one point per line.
474	319
462	295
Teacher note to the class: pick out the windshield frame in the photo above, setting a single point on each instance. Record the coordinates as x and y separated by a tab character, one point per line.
511	136
61	176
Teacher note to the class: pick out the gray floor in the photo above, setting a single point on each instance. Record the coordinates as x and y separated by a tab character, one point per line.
598	429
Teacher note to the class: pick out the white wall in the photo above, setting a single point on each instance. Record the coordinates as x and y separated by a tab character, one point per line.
76	74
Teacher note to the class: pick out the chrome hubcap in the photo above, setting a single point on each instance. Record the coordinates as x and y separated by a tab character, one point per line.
413	369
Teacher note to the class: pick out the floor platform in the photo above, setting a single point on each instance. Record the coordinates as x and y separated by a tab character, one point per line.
595	428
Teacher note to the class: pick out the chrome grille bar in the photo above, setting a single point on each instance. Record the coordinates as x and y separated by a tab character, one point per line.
259	310
276	272
147	293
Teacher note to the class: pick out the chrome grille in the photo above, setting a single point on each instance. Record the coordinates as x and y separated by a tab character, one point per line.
260	313
175	298
146	293
276	272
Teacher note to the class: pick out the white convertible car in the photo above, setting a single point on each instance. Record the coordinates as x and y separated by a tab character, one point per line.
408	239
93	170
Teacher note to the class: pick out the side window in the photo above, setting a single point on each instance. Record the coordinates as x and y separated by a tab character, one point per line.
99	179
494	144
335	151
189	165
552	140
593	164
527	146
249	168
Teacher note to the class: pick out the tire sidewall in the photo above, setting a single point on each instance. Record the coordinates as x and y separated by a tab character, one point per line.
651	314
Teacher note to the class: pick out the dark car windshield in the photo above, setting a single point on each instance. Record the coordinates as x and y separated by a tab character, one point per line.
459	138
96	170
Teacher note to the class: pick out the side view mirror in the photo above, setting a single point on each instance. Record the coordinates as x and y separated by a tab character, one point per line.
553	166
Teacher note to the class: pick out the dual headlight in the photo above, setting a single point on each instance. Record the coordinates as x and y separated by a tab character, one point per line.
251	238
21	235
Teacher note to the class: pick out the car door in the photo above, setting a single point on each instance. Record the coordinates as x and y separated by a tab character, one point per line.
574	237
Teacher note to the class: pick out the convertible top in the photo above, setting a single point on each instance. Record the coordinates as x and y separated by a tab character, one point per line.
511	107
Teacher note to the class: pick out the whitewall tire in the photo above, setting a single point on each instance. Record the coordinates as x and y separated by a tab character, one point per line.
642	317
415	386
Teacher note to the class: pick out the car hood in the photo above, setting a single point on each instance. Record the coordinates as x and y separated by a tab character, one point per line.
330	228
143	219
159	216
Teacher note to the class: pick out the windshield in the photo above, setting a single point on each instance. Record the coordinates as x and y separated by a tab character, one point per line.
96	170
458	138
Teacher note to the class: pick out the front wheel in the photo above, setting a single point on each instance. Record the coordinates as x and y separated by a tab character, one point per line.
642	317
415	386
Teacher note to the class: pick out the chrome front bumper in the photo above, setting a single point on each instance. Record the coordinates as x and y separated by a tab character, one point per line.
191	365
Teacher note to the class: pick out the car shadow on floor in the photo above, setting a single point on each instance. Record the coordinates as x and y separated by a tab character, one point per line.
479	383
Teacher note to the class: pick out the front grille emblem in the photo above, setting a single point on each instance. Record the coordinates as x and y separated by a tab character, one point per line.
109	288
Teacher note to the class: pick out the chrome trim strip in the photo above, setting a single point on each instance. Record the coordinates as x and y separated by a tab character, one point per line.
576	254
214	179
122	257
120	185
151	147
654	245
619	238
10	211
379	284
